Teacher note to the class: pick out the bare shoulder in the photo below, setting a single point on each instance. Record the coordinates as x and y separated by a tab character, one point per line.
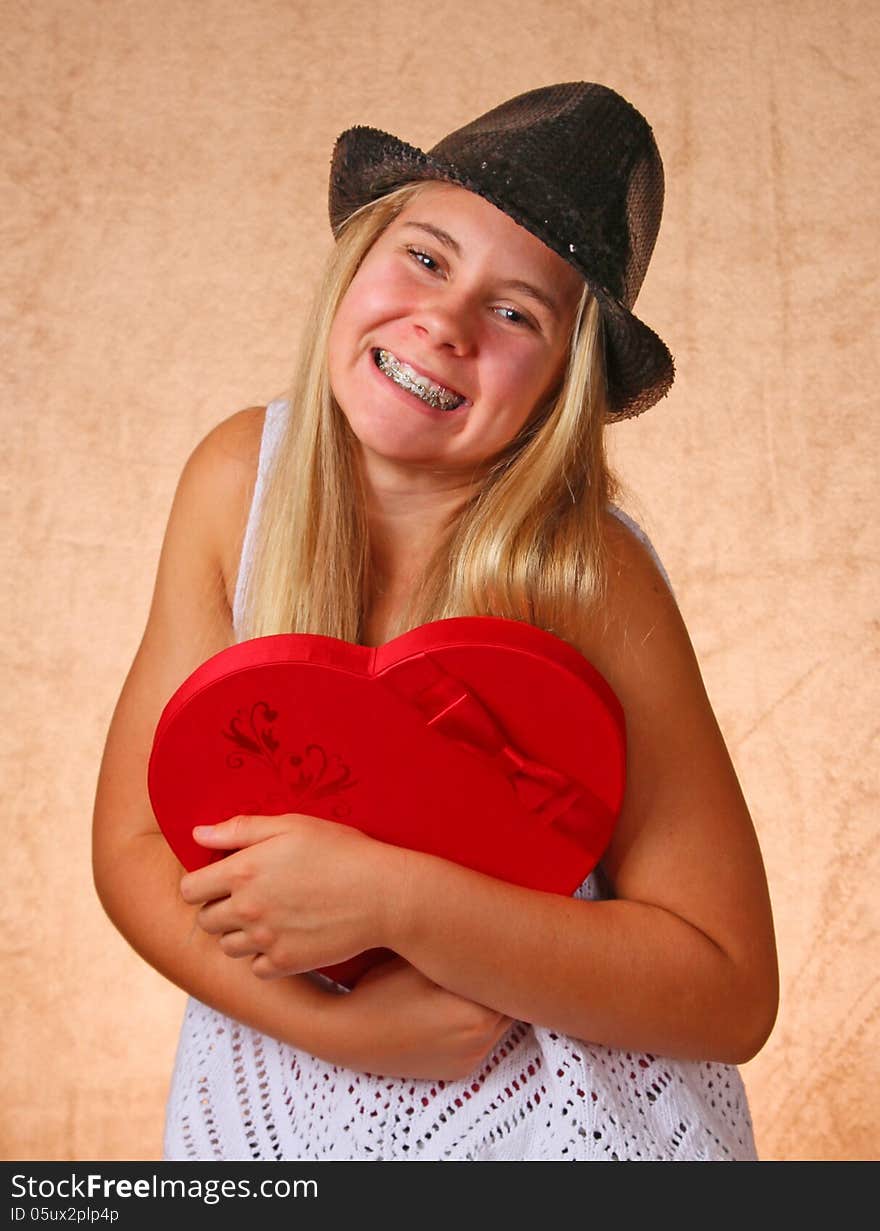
640	619
198	562
226	462
683	804
237	437
190	614
228	454
645	647
630	559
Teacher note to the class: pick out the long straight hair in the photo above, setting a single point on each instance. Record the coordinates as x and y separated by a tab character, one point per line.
527	544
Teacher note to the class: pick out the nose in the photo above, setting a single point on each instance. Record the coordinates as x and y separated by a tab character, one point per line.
447	319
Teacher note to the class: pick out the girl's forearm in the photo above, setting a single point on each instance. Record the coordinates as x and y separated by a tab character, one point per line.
138	889
621	973
399	1023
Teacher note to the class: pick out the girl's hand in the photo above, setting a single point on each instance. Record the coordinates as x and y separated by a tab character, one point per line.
397	1023
297	893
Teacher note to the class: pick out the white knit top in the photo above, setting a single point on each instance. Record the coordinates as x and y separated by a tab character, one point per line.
239	1095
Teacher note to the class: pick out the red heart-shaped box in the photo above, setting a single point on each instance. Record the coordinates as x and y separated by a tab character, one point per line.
482	740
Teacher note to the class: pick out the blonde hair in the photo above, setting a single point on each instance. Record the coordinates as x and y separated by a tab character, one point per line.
527	545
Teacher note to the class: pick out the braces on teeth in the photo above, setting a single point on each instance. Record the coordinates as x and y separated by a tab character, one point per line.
402	374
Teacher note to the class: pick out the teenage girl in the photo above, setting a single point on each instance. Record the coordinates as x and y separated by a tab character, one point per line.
441	454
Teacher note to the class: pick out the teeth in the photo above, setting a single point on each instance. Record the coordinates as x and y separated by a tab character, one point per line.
436	396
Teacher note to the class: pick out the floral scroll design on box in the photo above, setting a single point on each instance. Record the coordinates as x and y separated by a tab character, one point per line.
304	778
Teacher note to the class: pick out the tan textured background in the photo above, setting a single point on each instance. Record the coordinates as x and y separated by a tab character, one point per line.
164	183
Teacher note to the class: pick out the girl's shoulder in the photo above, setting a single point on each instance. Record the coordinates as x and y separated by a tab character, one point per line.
638	626
235	440
629	541
228	458
632	560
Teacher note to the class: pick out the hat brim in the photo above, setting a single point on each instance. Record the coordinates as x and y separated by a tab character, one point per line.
368	164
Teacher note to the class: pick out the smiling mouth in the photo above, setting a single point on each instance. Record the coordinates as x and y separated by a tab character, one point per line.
438	397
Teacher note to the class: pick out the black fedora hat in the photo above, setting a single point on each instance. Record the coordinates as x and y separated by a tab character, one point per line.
575	164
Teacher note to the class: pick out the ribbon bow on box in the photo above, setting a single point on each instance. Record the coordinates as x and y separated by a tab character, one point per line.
481	740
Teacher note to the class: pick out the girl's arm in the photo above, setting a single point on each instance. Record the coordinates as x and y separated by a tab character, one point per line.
138	877
682	962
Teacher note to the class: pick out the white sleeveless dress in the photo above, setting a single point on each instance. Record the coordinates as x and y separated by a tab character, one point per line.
239	1095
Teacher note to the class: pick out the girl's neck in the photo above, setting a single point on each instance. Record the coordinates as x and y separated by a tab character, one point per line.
406	521
404	532
402	541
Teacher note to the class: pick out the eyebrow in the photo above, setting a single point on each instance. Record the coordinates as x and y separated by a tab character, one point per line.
513	284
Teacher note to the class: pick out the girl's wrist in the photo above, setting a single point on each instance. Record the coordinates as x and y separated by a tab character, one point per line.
401	896
341	1034
322	1030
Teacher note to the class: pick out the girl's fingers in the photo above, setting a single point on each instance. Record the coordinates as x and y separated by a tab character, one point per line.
216	918
240	831
237	944
264	968
206	885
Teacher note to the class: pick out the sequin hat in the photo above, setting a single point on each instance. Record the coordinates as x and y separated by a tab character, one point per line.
575	164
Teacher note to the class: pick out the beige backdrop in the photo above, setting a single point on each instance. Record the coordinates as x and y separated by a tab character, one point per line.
164	214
